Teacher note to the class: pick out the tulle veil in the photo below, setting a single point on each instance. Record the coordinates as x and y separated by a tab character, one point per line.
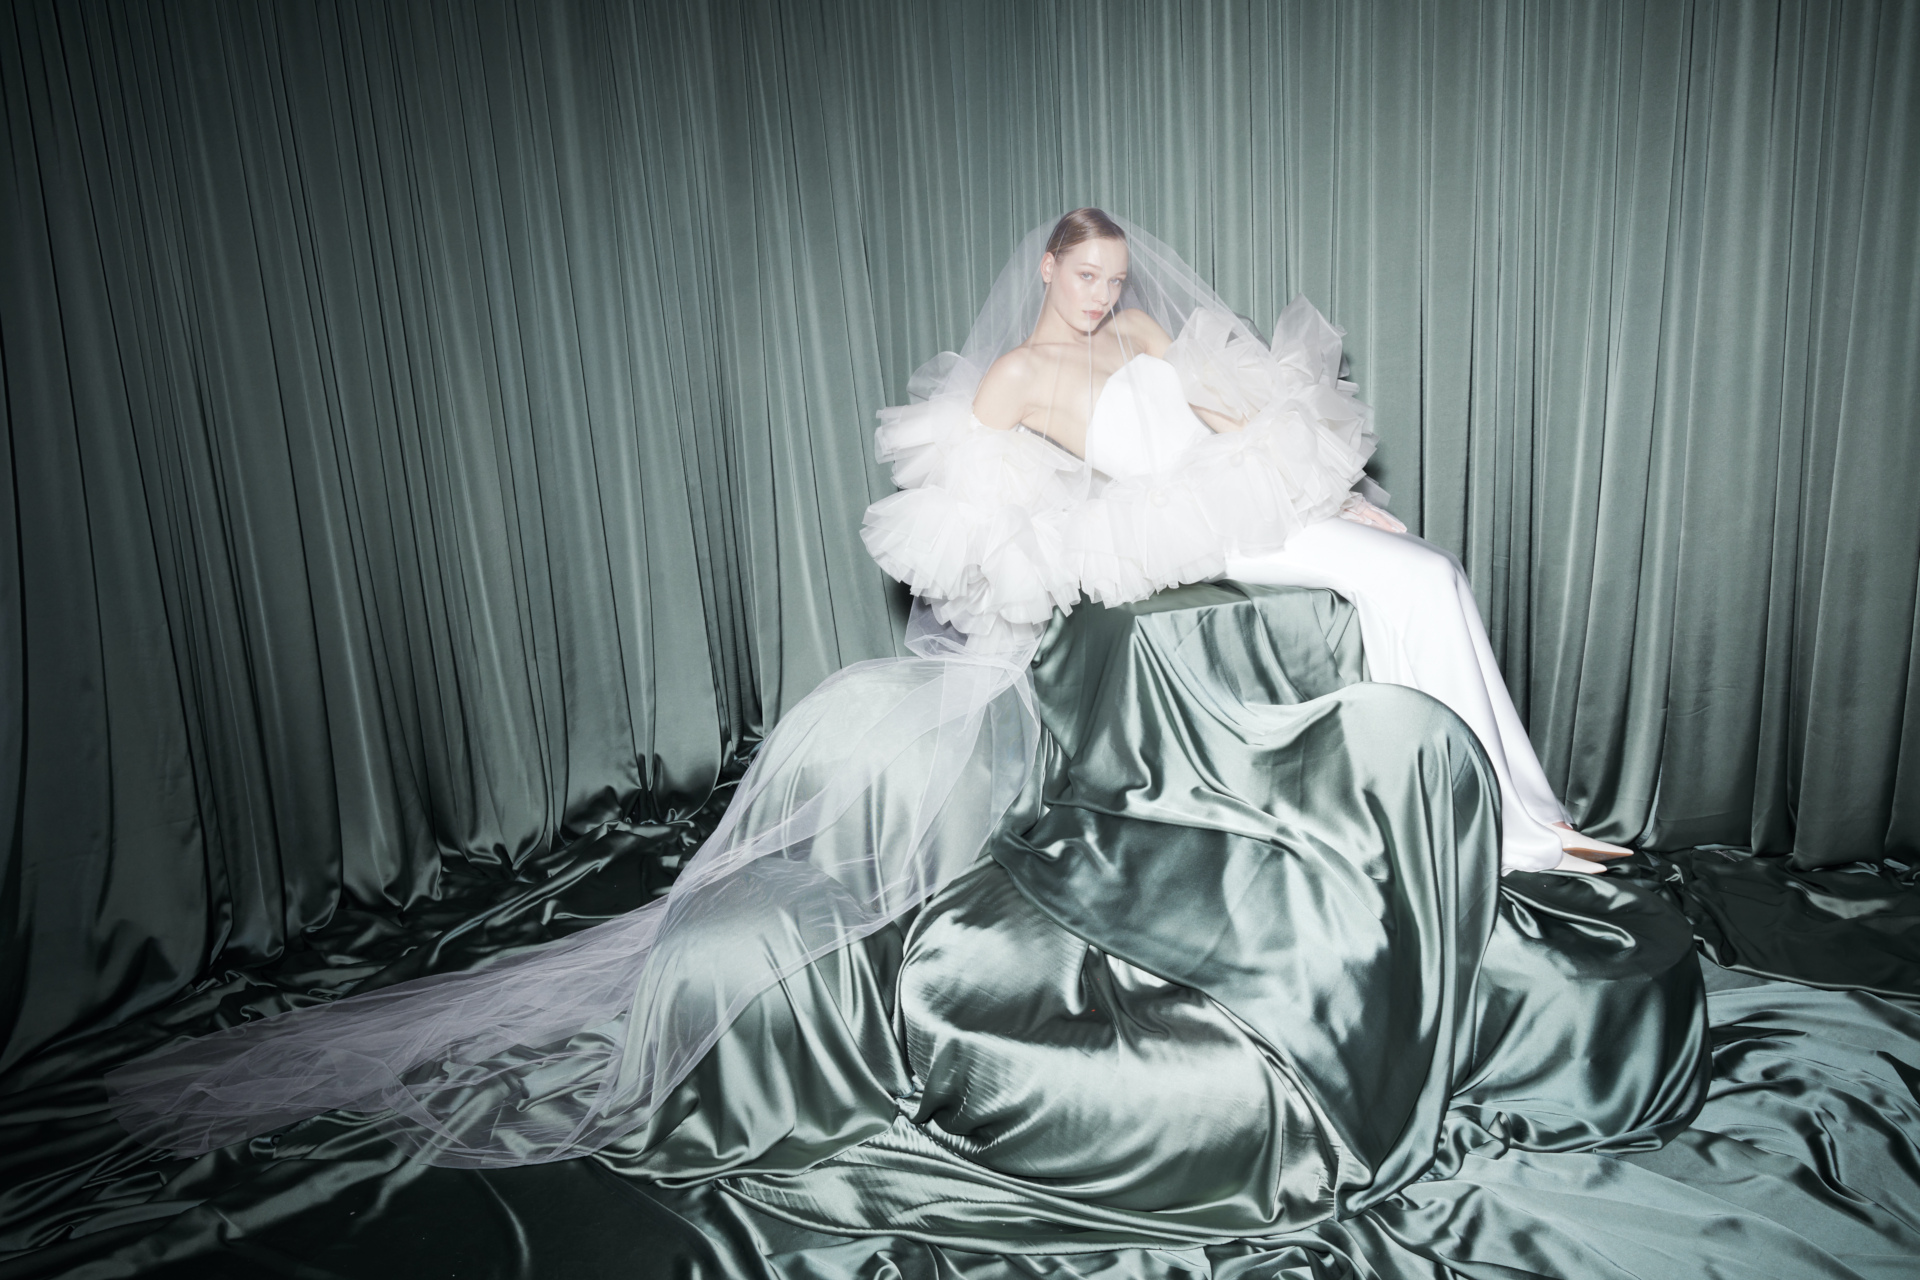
874	791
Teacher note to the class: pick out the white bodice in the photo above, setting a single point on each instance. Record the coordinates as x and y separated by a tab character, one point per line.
1142	424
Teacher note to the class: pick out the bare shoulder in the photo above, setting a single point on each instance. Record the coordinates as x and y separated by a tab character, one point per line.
1016	366
1002	397
1143	330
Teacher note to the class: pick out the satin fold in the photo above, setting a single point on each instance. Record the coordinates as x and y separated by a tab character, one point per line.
1242	962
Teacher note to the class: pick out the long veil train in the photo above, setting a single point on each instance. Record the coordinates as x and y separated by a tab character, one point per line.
875	790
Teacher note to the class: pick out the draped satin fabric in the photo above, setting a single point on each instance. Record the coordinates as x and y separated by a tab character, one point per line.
1236	993
1319	985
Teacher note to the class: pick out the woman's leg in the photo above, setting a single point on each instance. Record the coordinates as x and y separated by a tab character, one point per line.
1422	628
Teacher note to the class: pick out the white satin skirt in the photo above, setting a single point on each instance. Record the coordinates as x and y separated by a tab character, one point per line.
1422	629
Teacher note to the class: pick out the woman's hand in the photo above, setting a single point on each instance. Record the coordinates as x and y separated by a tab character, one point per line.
1360	511
1220	422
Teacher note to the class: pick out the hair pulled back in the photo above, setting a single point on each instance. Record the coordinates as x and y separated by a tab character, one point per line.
1082	225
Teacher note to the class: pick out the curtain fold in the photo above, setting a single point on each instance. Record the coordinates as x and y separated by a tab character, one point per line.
438	429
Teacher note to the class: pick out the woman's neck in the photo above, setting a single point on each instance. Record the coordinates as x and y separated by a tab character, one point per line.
1054	332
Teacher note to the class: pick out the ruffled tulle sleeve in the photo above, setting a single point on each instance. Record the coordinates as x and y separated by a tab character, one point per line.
1002	526
978	527
1297	461
1303	420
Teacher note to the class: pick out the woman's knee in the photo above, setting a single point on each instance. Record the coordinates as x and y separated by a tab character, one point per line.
1408	561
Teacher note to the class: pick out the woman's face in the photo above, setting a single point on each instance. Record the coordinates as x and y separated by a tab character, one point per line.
1083	284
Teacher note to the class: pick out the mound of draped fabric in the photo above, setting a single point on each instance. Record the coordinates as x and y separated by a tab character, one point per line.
1236	991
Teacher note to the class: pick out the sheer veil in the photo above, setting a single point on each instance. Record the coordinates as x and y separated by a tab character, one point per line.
1159	283
876	789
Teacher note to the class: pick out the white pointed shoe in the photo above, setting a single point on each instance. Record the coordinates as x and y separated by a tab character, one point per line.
1588	847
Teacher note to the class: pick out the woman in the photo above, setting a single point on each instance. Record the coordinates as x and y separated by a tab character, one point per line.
1166	504
1237	959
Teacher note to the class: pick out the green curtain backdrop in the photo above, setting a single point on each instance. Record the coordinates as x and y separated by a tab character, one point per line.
437	429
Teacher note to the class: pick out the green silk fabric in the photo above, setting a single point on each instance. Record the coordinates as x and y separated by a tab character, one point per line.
1236	994
436	430
1322	980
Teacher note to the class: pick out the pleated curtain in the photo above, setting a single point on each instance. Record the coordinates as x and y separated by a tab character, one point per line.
436	429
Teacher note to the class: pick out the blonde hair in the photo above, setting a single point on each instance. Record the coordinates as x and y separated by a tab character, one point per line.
1082	225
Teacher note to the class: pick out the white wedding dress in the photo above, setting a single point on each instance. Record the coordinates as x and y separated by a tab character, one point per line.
885	783
1418	619
992	527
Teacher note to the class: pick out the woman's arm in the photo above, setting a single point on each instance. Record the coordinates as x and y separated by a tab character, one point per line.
1001	400
1220	422
1141	332
1144	333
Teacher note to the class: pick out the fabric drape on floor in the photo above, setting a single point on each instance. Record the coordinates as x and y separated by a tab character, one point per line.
436	429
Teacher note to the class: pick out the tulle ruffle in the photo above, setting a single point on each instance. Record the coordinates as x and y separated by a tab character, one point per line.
978	529
995	525
1239	493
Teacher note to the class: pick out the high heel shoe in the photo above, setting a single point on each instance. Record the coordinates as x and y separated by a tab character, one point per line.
1583	846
